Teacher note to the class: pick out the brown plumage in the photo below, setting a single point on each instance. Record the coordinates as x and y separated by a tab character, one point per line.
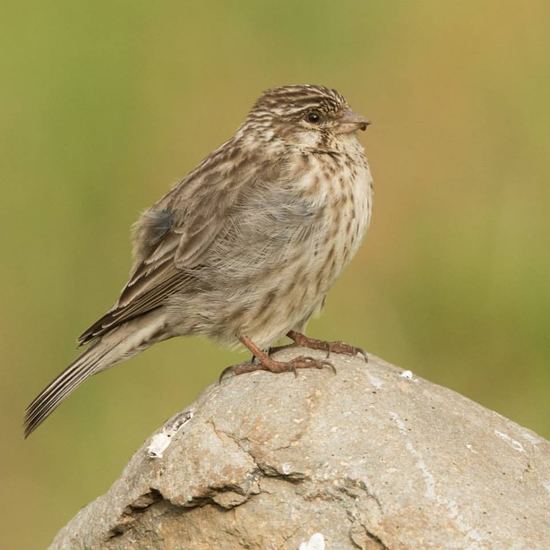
245	248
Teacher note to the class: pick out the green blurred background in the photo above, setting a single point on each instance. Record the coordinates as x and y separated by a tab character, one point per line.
104	105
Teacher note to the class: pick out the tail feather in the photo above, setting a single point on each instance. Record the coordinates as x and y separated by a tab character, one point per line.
111	349
48	400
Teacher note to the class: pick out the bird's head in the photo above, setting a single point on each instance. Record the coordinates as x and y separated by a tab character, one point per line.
304	114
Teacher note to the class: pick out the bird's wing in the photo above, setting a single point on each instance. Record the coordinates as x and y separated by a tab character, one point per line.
174	235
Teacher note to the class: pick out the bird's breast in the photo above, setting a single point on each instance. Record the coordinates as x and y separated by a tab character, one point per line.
340	186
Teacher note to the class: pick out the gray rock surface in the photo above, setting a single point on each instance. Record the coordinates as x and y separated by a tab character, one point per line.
368	458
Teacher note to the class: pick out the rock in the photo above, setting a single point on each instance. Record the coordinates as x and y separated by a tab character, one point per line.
367	458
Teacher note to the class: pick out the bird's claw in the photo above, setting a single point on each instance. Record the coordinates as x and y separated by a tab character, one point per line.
305	362
225	372
346	349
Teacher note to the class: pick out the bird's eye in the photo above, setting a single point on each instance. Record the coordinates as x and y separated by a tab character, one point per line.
314	117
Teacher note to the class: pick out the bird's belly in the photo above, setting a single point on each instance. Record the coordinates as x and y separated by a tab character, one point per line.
286	298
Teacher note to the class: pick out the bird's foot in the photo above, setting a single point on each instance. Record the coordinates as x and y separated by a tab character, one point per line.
262	361
271	365
330	347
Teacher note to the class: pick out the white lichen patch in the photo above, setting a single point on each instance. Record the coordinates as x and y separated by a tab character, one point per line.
316	542
161	441
374	381
516	445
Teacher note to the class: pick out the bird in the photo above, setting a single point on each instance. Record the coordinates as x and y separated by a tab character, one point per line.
245	248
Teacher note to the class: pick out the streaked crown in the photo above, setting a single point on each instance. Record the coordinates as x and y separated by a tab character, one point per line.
293	101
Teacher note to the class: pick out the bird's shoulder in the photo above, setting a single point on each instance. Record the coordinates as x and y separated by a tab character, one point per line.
196	204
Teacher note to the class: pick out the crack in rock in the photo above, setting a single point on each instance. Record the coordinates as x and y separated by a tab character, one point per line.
132	512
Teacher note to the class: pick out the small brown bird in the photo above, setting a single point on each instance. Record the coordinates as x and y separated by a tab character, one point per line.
245	248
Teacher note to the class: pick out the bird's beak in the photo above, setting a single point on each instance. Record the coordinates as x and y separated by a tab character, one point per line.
351	122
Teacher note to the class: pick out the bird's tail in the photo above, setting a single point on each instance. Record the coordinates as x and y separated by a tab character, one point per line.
114	347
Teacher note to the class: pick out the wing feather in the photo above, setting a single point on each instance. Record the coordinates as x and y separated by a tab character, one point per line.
175	234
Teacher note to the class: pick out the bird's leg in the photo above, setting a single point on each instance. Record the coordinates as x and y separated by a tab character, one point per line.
336	347
265	362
